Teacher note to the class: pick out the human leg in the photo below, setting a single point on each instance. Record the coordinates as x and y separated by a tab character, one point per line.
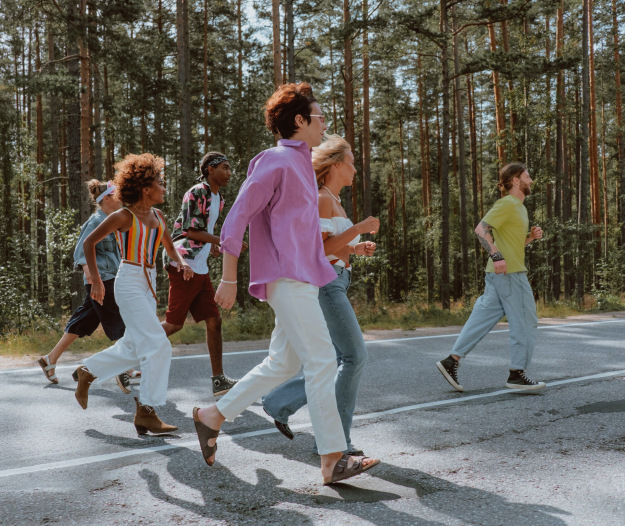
144	342
349	344
488	310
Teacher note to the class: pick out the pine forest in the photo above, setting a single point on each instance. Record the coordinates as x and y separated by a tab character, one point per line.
433	97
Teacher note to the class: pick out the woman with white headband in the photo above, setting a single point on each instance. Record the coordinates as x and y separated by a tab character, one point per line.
91	314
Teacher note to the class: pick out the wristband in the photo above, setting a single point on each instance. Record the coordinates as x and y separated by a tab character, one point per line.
496	256
229	282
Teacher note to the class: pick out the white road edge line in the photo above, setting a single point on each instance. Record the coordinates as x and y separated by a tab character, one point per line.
193	444
369	342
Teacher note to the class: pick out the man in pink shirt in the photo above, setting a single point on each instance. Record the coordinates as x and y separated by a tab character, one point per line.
279	202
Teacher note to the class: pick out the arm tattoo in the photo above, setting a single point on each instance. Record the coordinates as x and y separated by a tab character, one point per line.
488	230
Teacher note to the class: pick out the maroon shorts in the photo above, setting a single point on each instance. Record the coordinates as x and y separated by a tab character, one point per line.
196	296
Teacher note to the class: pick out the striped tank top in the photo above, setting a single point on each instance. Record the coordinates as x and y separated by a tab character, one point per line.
140	244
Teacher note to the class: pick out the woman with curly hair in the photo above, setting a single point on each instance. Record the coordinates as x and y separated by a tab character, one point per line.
139	229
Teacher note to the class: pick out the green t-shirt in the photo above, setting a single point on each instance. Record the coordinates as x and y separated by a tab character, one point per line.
510	227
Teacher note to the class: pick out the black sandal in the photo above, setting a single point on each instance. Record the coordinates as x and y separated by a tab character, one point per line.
342	472
204	433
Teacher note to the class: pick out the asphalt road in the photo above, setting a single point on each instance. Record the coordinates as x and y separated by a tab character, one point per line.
485	457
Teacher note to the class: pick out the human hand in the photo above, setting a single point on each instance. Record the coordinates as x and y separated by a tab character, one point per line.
97	292
226	295
244	246
501	267
536	233
187	272
371	225
365	249
215	251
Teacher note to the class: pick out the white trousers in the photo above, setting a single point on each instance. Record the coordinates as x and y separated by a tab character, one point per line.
144	343
300	337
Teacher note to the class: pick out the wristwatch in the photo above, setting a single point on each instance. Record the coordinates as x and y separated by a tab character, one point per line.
496	256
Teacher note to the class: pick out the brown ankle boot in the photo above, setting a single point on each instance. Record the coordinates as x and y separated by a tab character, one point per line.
84	379
146	420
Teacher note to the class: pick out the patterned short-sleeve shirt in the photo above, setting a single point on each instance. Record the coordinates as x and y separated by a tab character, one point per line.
194	214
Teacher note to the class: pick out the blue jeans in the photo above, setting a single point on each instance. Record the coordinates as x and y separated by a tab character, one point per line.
351	355
510	296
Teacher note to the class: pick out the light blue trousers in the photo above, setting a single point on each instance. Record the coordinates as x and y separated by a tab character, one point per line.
351	355
510	296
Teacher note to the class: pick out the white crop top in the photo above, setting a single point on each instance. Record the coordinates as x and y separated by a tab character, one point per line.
335	226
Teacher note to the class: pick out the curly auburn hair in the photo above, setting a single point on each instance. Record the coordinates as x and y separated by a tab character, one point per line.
135	173
288	101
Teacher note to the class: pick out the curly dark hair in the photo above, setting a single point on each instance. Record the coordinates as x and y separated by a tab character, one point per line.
282	107
135	173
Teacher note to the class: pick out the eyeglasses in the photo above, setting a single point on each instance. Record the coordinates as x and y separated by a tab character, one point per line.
323	119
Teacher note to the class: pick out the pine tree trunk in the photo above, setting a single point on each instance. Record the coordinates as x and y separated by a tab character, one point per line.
462	178
595	194
444	169
42	260
351	197
277	53
290	30
583	183
619	123
366	136
73	136
499	105
182	29
474	184
158	115
85	115
54	167
240	46
403	209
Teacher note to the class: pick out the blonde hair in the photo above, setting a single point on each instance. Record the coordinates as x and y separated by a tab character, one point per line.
96	189
331	151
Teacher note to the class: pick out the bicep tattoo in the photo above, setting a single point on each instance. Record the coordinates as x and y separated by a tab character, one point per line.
488	230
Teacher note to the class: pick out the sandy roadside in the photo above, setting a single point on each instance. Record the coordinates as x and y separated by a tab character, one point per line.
200	348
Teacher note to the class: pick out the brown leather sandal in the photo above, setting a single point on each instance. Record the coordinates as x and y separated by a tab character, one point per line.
204	433
44	363
342	472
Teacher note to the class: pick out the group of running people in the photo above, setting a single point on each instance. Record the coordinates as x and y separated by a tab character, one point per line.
300	245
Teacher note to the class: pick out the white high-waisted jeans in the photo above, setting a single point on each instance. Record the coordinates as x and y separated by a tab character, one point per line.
300	337
144	343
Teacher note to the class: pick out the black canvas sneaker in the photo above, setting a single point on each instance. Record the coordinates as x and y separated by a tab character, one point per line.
449	369
518	380
123	381
222	384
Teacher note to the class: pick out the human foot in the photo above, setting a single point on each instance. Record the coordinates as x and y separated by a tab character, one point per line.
210	421
519	380
48	368
344	467
449	369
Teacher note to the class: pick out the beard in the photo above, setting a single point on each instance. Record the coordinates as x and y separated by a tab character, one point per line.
526	190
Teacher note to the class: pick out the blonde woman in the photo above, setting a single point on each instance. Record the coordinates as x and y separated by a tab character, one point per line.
333	162
88	317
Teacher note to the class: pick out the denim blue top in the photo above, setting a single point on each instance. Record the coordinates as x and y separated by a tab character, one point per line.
107	254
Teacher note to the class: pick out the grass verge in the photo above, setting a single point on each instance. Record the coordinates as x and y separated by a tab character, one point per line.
257	323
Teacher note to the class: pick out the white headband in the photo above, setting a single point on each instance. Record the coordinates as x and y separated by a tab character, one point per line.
111	188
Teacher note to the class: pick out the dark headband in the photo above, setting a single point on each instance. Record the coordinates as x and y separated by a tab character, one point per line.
215	162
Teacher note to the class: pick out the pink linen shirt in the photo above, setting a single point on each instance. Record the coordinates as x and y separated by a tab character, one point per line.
279	200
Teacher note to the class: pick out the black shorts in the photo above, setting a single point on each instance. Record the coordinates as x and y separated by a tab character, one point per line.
91	314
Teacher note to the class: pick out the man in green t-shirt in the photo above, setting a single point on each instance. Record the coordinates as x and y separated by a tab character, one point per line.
504	235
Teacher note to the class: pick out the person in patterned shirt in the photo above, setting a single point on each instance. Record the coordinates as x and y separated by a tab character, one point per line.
194	240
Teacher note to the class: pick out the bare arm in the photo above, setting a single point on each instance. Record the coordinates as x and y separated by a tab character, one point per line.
484	233
120	220
202	235
168	244
227	292
334	244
